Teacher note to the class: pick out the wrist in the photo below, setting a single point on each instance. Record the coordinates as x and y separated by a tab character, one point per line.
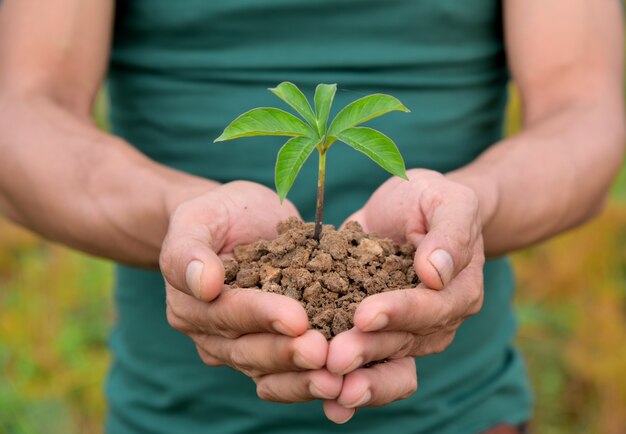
480	183
134	210
181	187
485	188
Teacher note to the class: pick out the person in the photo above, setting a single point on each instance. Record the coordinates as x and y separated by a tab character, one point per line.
157	193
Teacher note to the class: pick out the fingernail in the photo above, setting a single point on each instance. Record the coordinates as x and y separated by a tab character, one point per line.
443	263
301	363
194	277
367	396
279	327
317	393
357	363
342	421
379	322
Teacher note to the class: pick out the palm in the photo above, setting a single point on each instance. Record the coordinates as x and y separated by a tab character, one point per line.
252	213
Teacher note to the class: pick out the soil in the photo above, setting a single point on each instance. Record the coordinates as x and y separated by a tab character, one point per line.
329	277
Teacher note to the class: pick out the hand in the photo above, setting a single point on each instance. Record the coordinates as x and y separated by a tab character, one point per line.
442	219
263	335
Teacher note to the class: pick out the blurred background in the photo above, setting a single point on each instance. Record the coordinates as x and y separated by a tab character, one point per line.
55	310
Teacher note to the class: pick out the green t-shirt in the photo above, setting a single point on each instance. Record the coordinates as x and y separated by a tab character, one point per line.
181	71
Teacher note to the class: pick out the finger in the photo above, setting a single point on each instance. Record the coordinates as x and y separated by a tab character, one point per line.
418	346
358	217
453	230
207	358
303	386
188	260
178	323
337	413
267	353
380	384
420	311
352	349
434	343
237	311
254	211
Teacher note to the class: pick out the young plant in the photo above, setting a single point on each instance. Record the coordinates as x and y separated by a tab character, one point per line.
312	132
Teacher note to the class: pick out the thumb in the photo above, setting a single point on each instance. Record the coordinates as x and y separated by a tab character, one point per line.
359	217
436	268
188	260
447	247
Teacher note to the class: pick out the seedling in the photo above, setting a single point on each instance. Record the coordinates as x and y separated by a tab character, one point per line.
312	132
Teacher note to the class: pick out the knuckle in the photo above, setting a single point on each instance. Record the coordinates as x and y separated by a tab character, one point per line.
206	358
442	318
475	303
226	332
438	348
462	246
434	345
474	308
264	392
463	239
433	195
411	387
171	297
466	195
231	334
407	344
175	321
441	344
450	338
223	328
478	292
252	373
239	358
418	349
166	260
212	362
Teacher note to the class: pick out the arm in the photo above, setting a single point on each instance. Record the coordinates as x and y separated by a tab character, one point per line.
566	58
552	176
68	181
59	175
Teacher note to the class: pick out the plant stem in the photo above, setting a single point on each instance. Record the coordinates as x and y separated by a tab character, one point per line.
319	212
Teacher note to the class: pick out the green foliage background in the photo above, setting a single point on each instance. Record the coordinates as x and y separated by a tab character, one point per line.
55	310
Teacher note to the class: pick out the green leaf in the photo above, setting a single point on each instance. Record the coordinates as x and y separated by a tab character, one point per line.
362	110
293	96
324	95
290	159
266	122
377	146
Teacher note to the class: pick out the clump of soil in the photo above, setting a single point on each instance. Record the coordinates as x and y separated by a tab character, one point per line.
329	277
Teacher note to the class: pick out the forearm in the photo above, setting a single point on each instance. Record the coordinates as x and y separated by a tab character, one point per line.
64	179
551	177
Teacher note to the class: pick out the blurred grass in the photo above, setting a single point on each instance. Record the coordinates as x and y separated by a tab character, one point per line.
55	309
571	303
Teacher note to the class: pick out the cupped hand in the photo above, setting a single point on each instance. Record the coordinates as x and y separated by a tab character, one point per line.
261	334
441	219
